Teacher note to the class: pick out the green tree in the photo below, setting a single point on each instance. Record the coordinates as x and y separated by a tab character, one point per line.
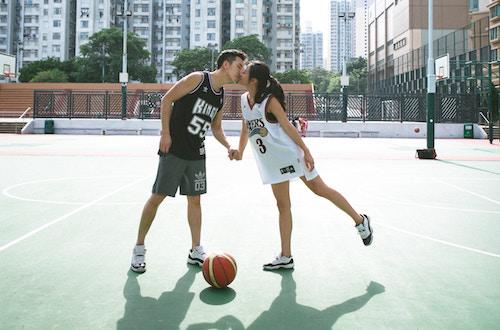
190	60
358	72
321	79
293	77
29	71
104	50
251	45
53	75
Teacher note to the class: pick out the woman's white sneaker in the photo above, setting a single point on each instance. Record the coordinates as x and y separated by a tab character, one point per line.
365	230
280	262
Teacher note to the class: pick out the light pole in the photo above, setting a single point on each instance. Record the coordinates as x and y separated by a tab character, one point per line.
212	48
124	75
430	152
344	80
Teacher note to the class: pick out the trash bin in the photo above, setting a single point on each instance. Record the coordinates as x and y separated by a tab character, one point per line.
49	126
468	131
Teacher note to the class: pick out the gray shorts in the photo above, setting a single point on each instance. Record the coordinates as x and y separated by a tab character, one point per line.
173	172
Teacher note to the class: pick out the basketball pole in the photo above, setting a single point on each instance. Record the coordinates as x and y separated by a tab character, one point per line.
430	152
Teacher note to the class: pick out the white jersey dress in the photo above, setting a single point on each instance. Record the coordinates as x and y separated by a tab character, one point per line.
278	157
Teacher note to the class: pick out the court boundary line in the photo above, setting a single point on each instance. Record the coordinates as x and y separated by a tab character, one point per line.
463	247
67	215
468	191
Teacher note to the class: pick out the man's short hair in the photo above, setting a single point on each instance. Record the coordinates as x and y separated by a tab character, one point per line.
230	55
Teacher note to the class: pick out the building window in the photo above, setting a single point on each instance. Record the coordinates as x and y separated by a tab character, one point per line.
197	13
211	11
57	11
239	24
197	37
84	24
56	23
56	36
211	36
494	33
211	24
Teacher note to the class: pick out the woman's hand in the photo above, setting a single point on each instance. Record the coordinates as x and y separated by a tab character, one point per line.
309	160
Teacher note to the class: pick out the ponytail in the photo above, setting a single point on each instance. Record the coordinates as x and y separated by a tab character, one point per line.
266	83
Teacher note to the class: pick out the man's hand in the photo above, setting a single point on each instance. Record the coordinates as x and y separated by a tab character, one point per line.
165	142
233	154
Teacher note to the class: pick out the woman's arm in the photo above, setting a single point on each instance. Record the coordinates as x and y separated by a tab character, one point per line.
243	138
274	107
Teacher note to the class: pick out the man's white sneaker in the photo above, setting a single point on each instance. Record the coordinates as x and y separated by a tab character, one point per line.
138	263
365	230
280	262
196	256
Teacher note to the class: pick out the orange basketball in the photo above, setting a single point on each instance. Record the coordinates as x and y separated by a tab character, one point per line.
219	270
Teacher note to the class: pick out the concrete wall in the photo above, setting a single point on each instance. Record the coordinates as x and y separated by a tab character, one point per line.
232	128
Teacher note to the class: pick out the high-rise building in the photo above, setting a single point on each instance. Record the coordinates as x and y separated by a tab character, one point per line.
246	18
311	56
361	29
343	33
7	27
281	33
92	16
46	28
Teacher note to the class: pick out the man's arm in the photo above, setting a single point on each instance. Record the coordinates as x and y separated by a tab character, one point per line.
218	133
181	88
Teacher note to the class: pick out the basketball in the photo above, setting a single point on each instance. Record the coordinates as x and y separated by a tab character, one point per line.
219	270
417	129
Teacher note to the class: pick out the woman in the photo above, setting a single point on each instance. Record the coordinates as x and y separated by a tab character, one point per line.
281	155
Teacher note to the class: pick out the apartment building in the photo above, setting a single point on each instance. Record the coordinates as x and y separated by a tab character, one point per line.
343	33
246	18
92	16
311	56
281	23
7	27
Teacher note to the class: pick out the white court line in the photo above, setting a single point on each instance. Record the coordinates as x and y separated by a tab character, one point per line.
6	191
67	215
417	204
468	191
440	241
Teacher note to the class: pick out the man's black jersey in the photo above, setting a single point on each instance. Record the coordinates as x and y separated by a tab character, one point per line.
191	118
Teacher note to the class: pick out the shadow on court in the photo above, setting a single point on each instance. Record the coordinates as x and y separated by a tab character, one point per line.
286	313
166	312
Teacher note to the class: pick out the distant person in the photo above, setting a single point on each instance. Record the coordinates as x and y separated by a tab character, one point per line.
191	107
281	155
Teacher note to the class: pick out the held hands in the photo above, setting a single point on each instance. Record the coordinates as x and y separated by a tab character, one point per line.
233	154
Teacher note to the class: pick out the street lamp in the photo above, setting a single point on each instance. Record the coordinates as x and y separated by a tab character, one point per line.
344	80
213	47
124	75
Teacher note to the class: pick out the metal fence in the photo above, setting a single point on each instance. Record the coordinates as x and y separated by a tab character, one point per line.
450	108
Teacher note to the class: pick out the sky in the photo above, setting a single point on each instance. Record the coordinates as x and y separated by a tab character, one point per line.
317	13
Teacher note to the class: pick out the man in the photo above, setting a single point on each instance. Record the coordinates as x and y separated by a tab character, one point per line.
188	110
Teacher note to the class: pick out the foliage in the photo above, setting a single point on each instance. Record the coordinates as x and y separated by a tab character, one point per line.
104	50
190	60
53	75
252	46
29	71
293	77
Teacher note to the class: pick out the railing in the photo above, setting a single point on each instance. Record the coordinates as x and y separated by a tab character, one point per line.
25	112
313	106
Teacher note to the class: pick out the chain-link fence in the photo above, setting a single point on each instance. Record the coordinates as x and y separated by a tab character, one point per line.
313	106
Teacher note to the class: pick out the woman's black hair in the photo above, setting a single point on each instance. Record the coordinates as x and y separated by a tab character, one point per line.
266	84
